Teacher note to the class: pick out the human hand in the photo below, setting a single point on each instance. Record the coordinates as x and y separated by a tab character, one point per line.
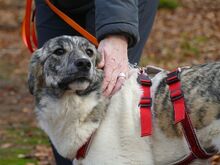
114	62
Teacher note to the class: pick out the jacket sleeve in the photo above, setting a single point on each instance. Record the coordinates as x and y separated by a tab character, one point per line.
117	17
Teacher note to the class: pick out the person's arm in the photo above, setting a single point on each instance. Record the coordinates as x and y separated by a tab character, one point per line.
117	17
116	29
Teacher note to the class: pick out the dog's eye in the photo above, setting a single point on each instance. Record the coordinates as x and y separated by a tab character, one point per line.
89	52
59	51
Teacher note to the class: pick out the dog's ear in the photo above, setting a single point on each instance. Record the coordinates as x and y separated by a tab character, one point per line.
35	75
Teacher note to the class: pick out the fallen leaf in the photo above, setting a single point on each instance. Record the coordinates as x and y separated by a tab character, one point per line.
6	145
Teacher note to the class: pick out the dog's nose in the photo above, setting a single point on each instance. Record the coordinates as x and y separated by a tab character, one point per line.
83	64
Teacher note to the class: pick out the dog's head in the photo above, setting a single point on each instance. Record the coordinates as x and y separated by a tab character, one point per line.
65	63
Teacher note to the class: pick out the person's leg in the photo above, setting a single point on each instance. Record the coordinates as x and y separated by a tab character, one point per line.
147	11
59	159
49	25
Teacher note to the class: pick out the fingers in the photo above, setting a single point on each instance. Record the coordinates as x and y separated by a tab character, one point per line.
112	84
114	61
110	77
110	81
101	64
118	85
115	75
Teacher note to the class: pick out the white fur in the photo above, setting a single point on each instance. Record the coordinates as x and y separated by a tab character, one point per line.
79	85
63	121
117	139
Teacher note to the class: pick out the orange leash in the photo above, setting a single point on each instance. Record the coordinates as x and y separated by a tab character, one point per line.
28	26
29	35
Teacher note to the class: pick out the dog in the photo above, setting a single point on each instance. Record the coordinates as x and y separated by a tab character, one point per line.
70	107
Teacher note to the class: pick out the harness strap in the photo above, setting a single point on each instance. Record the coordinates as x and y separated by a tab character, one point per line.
176	96
181	115
185	160
145	105
81	153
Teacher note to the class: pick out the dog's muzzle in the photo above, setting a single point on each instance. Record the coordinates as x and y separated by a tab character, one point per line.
83	65
80	74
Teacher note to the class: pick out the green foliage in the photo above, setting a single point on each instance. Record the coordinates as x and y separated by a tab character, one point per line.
16	161
190	46
10	156
23	139
169	4
26	135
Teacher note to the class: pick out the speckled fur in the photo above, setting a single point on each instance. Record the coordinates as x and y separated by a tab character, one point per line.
200	85
71	113
201	88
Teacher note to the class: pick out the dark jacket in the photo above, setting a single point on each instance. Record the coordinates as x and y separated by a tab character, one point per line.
111	16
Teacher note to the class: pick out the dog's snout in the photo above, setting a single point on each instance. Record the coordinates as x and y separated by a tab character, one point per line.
83	64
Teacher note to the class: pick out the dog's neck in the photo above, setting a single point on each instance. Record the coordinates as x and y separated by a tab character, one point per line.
118	137
75	119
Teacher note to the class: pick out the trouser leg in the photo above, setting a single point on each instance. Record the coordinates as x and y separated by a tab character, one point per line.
49	25
59	159
147	11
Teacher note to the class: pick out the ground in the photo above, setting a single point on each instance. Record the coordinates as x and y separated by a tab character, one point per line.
186	32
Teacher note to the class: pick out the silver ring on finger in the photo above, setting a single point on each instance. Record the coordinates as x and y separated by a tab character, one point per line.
122	74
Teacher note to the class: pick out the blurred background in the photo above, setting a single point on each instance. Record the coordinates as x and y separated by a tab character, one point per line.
185	32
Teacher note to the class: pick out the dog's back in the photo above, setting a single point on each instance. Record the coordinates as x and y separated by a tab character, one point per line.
200	85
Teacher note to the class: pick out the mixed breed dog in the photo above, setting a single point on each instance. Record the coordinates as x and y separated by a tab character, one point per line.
70	108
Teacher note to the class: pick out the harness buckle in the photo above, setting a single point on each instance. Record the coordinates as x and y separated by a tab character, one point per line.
176	95
144	80
145	102
173	76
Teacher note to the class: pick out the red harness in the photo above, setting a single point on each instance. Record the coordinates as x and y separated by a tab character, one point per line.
145	104
81	153
180	115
